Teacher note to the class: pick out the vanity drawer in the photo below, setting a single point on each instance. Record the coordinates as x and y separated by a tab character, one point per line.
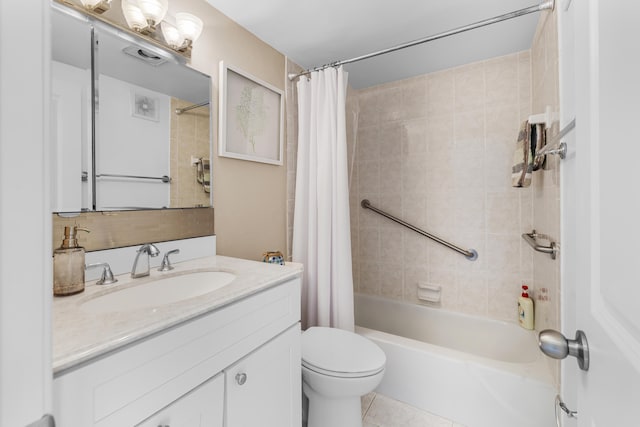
127	386
202	407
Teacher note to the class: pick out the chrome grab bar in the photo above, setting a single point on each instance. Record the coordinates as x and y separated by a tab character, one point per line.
531	239
470	254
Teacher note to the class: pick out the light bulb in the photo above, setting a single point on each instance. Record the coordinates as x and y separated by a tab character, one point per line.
172	36
98	6
153	10
134	17
190	26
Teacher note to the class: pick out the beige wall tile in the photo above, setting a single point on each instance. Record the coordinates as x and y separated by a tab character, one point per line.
469	87
440	92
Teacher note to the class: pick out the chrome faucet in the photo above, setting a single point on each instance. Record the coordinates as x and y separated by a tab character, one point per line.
166	264
107	276
151	250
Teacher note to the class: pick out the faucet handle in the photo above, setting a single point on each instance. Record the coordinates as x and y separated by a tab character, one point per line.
107	275
166	264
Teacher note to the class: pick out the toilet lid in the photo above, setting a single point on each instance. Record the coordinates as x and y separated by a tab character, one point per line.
340	353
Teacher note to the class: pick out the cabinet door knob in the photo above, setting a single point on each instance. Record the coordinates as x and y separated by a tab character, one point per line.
241	378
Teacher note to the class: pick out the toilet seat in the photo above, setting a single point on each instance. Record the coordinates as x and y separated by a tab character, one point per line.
338	353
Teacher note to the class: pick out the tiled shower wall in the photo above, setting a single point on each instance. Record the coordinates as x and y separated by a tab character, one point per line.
191	129
436	150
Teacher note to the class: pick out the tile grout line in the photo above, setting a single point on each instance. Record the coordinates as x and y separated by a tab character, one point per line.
366	411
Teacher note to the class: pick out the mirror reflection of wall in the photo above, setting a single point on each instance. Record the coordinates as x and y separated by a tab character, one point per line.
70	113
143	149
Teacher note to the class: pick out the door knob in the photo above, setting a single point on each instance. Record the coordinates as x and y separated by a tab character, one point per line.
555	345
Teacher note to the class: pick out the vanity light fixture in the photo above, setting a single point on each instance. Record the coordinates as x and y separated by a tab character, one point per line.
144	16
134	17
96	6
172	36
154	11
187	30
190	27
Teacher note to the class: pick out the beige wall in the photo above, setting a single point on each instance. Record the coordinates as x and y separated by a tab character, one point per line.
436	150
249	198
546	183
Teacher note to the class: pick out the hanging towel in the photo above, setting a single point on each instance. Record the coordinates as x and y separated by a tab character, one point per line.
538	141
203	173
522	158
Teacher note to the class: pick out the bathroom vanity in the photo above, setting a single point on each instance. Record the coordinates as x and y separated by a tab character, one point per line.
228	355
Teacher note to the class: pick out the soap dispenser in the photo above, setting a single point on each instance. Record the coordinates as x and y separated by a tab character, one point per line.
525	309
68	264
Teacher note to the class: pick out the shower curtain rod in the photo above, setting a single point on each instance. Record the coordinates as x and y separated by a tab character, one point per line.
547	5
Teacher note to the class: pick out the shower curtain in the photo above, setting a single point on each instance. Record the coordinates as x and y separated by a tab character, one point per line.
321	225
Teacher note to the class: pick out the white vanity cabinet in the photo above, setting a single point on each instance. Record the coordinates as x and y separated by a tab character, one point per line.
269	378
189	374
202	407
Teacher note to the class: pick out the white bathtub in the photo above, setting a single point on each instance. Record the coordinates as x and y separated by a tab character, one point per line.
475	371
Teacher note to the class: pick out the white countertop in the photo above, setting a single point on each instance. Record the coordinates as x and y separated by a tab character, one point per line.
80	335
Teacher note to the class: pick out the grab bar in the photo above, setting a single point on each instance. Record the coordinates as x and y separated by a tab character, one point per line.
163	178
470	254
531	239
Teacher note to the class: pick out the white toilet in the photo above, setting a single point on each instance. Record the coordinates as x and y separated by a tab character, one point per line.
338	367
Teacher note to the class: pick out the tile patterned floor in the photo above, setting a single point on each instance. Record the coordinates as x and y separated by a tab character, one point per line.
381	411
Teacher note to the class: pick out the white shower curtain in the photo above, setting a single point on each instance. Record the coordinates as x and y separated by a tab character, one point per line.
321	225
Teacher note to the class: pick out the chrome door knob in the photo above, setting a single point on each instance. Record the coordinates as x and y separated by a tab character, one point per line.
555	345
241	378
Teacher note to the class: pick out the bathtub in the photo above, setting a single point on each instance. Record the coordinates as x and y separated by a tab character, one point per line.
477	372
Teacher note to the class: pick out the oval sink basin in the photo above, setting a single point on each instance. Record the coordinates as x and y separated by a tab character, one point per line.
159	292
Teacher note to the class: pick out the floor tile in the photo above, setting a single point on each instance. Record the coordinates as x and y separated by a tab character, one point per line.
386	412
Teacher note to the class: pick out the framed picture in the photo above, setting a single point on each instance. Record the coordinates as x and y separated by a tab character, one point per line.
251	117
144	106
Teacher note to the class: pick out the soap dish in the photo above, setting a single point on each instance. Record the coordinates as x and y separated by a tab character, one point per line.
429	293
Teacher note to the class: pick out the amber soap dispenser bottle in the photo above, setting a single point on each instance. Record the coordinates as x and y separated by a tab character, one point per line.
68	264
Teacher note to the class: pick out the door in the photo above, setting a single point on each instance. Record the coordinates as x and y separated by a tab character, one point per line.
25	218
601	208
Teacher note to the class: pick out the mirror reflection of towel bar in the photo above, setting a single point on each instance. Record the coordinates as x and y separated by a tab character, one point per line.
163	178
191	107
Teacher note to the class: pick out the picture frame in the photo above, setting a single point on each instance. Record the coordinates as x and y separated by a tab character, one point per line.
144	106
251	117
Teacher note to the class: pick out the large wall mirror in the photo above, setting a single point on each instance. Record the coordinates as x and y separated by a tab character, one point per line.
131	123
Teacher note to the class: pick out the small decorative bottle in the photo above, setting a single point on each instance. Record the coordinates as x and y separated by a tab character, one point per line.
525	309
68	264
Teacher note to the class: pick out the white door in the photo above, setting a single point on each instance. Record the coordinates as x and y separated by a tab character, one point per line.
601	209
25	218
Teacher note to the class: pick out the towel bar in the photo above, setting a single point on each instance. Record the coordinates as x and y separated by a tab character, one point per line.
557	146
531	239
163	178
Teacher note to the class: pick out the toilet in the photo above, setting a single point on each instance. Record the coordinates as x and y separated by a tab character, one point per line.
338	367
